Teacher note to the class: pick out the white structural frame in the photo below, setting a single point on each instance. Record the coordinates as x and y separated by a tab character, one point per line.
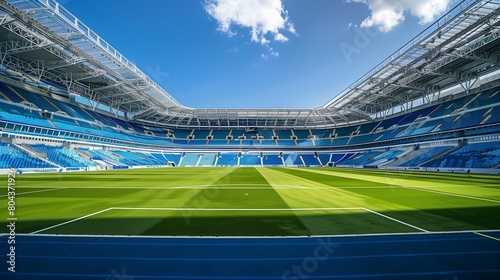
46	41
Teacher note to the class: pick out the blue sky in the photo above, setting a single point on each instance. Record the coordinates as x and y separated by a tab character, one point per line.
256	54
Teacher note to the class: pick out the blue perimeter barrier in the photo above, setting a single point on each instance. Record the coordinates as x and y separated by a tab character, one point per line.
449	256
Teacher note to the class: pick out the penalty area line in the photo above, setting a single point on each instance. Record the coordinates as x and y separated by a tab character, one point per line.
44	190
195	187
71	221
396	220
234	209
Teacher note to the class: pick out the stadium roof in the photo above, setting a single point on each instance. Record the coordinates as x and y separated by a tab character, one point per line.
44	40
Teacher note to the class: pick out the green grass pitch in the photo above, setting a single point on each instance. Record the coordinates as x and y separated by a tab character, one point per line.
249	201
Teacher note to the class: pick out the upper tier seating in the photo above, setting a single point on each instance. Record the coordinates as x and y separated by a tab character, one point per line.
220	134
302	134
8	94
285	134
445	118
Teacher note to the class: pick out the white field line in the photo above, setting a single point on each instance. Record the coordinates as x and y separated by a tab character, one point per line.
235	209
236	186
473	231
44	190
192	209
271	209
360	187
396	220
453	194
227	209
224	186
250	187
71	221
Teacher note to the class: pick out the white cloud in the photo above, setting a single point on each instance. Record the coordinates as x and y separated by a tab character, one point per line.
428	11
387	14
280	37
351	25
266	19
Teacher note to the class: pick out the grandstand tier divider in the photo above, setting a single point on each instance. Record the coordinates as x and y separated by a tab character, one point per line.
12	93
33	156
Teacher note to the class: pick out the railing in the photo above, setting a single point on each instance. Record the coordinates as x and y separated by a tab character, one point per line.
65	17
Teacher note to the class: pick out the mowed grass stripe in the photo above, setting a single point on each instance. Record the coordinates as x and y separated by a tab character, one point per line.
463	184
41	210
261	196
154	177
331	179
328	193
217	223
320	194
461	179
453	194
25	191
431	211
255	222
264	188
248	186
436	212
298	199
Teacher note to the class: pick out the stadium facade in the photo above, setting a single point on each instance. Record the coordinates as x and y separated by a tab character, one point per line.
70	101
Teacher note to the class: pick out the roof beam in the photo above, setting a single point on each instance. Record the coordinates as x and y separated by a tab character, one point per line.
117	85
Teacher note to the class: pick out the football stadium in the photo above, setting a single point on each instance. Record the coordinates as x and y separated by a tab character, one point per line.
106	175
